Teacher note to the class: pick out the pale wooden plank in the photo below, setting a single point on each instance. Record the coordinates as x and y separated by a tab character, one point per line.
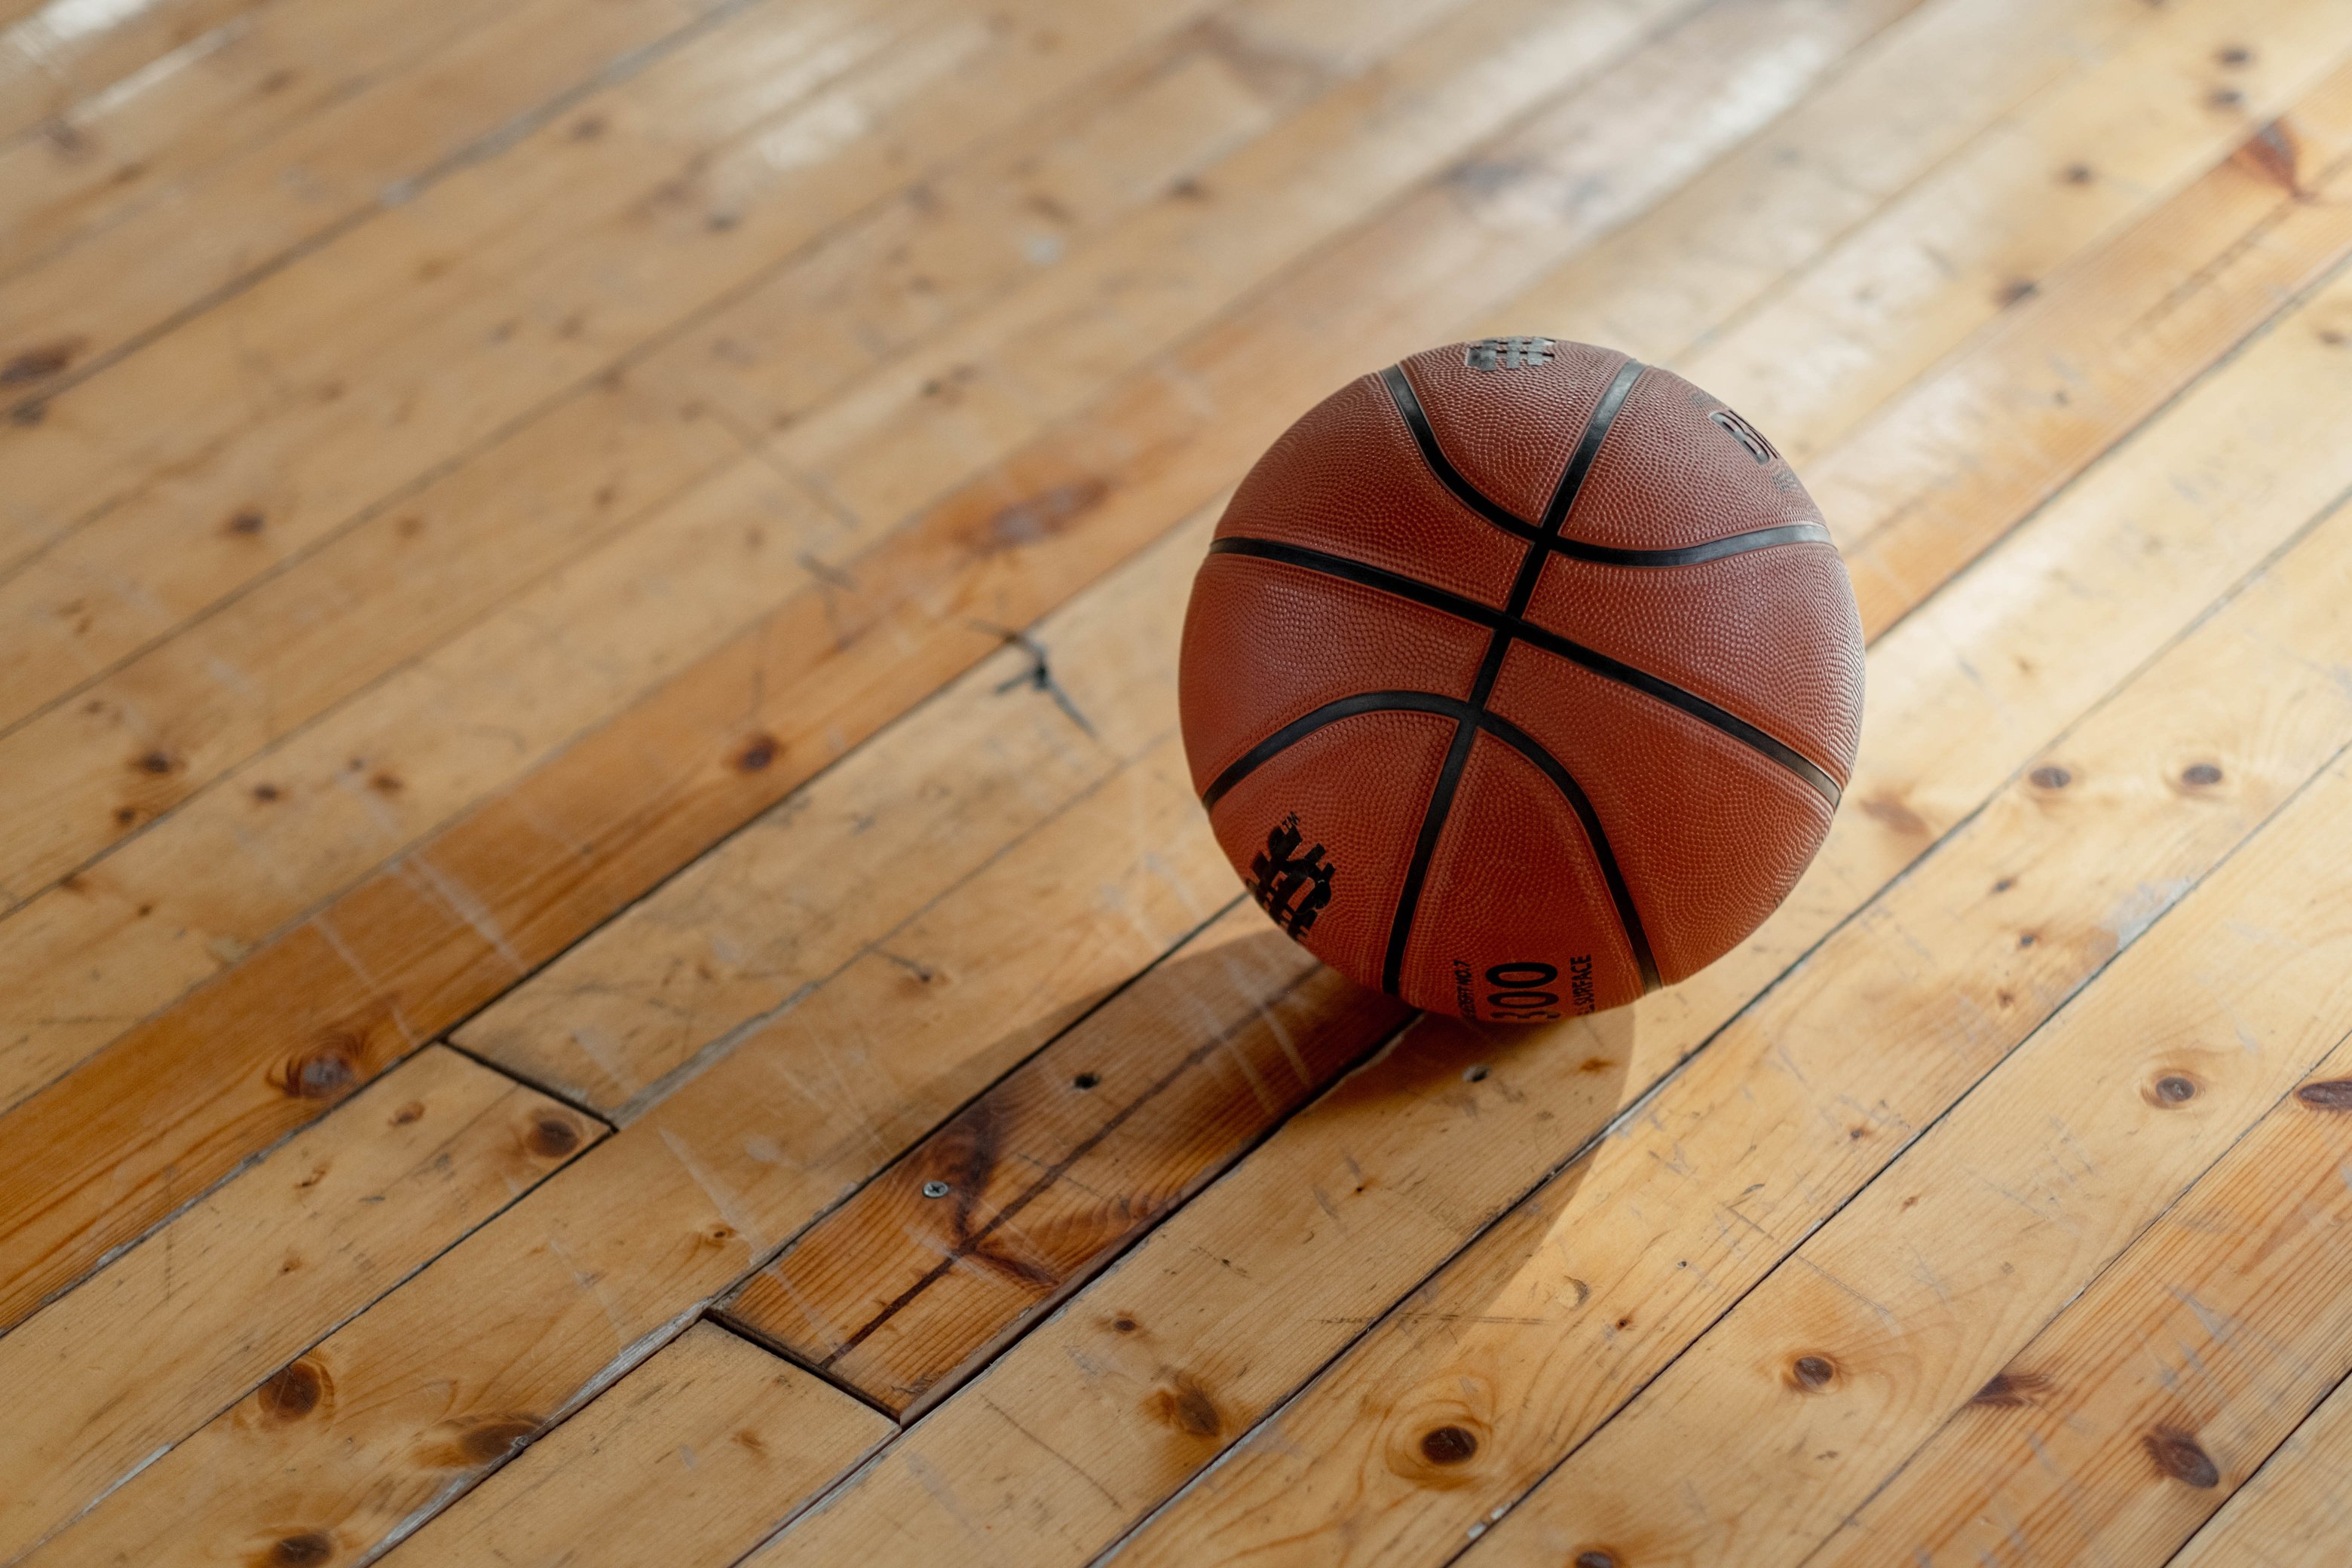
783	906
981	1228
227	1293
1074	1383
535	1314
1916	1294
893	445
687	1459
352	793
2103	342
538	269
1977	236
2123	1424
52	56
266	137
217	95
2292	1512
394	586
459	918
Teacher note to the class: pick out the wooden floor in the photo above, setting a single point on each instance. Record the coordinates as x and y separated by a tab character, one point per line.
606	954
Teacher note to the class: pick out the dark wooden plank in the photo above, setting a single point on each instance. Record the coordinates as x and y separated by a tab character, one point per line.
1039	1183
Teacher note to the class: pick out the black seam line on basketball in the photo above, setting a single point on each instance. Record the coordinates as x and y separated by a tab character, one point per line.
1457	755
1424	436
1599	663
1298	728
1619	892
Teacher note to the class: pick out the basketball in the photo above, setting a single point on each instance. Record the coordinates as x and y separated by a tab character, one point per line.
1521	677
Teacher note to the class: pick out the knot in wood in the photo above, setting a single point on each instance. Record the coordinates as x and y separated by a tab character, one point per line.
292	1391
553	1137
303	1549
1447	1445
2179	1456
1812	1372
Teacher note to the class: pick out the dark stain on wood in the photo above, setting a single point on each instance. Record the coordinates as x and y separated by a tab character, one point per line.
293	1391
1597	1557
480	1440
245	523
157	763
2050	776
2200	775
2173	1089
2179	1455
41	361
326	1070
1812	1374
2013	1390
758	753
2328	1094
1448	1445
303	1549
551	1137
265	792
1183	1405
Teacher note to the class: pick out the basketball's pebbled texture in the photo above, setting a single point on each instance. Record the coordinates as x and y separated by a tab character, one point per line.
1521	677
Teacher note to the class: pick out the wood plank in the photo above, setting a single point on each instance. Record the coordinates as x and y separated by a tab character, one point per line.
991	1221
227	1293
532	1315
456	919
894	445
779	908
1074	1384
229	684
2158	1390
54	56
697	954
538	269
1977	236
687	1459
346	797
2103	342
2292	1512
1917	1293
273	136
217	95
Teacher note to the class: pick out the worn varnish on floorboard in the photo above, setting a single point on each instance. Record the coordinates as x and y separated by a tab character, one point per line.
606	951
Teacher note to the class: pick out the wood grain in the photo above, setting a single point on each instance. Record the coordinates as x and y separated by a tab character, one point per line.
1918	1293
537	311
690	1458
225	1295
2290	1513
535	1314
2177	1371
1934	937
2102	344
1037	1183
460	916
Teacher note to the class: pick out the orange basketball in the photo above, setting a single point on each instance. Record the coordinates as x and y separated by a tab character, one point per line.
1520	678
